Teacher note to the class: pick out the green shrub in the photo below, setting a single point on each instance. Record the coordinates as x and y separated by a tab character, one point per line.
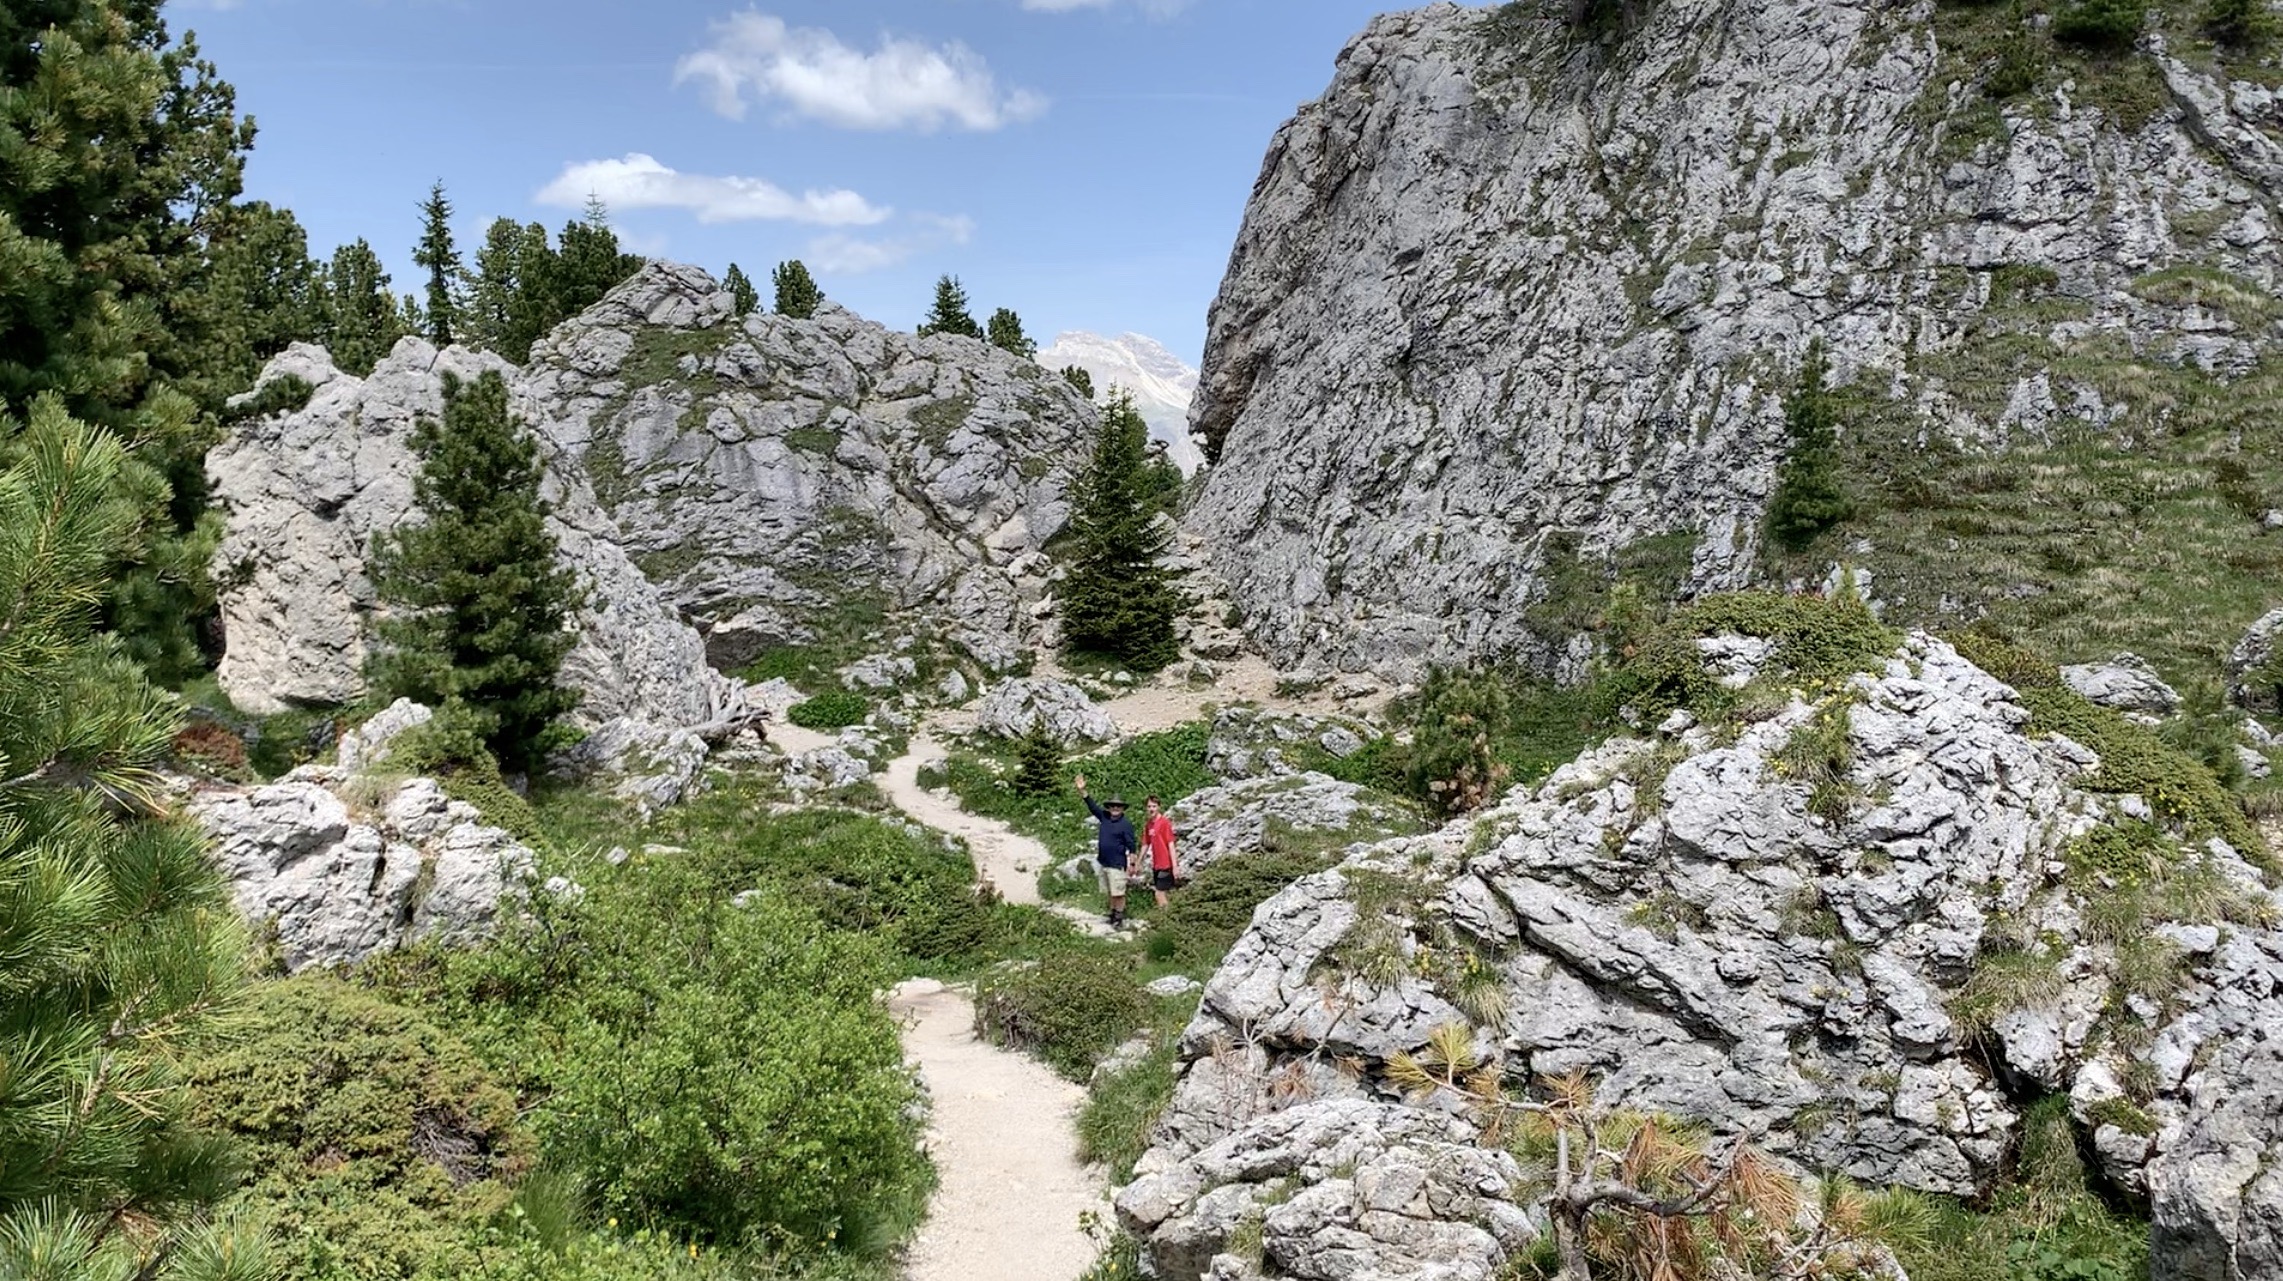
831	710
1069	1010
1038	762
2045	1225
2135	760
377	1143
2107	25
1204	919
282	395
1114	1126
2239	24
1453	763
450	748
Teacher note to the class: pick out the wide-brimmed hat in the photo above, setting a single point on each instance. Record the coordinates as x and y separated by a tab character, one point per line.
1114	803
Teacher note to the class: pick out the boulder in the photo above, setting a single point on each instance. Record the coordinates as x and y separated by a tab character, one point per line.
369	744
1277	811
336	883
2126	683
1013	706
2254	681
1253	742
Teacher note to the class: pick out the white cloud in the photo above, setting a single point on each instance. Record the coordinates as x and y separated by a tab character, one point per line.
637	181
855	255
904	84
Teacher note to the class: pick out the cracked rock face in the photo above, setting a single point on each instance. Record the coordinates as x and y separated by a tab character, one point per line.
1675	919
1264	813
720	485
1011	708
1499	301
338	882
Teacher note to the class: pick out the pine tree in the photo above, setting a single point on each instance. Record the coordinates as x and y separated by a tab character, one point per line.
949	315
1117	599
2239	24
480	606
797	292
741	290
1006	334
120	158
1080	379
437	253
1038	762
256	293
358	319
1809	497
592	264
117	939
515	293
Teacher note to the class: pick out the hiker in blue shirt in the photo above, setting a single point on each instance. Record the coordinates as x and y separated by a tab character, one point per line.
1114	845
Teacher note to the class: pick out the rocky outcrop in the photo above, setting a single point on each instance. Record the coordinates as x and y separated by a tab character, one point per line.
721	486
2254	679
1257	742
1309	811
767	472
1509	302
1013	707
1860	931
2126	683
336	879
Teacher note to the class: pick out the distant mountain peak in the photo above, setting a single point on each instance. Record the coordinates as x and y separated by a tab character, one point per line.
1160	381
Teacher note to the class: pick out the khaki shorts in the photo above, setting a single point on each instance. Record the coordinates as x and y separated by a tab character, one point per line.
1113	879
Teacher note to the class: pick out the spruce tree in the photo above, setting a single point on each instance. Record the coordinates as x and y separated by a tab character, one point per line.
1006	334
1038	762
358	318
592	264
1117	600
741	290
117	940
797	292
1080	379
1809	497
437	253
949	314
479	606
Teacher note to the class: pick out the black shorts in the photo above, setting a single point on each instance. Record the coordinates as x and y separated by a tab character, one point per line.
1161	878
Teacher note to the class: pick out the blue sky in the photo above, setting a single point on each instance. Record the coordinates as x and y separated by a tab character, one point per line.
1083	161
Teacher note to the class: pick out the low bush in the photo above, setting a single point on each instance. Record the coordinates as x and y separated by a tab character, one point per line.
1204	919
831	710
2047	1225
1069	1010
376	1142
210	748
1453	763
2106	25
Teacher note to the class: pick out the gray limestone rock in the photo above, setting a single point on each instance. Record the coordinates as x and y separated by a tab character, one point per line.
1010	708
1437	380
2252	680
338	882
368	744
1697	936
1253	743
2126	683
1270	812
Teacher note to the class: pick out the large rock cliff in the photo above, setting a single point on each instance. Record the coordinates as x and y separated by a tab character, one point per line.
1511	297
722	485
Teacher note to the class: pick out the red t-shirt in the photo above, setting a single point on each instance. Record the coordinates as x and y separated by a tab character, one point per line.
1157	834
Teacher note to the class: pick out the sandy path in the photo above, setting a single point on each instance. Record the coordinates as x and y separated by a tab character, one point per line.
1004	858
1012	1192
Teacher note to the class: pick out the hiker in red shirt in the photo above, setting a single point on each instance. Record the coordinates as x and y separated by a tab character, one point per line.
1157	838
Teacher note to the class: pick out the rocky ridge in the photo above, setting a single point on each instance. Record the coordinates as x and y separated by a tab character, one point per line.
1509	300
1866	966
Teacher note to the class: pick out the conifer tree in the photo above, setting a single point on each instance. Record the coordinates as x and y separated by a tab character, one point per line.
2239	24
117	939
741	290
797	292
121	155
1809	497
358	318
592	264
1117	599
437	253
1038	762
1080	379
481	609
1006	334
255	294
949	314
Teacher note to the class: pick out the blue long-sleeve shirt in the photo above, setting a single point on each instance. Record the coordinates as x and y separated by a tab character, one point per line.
1114	839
